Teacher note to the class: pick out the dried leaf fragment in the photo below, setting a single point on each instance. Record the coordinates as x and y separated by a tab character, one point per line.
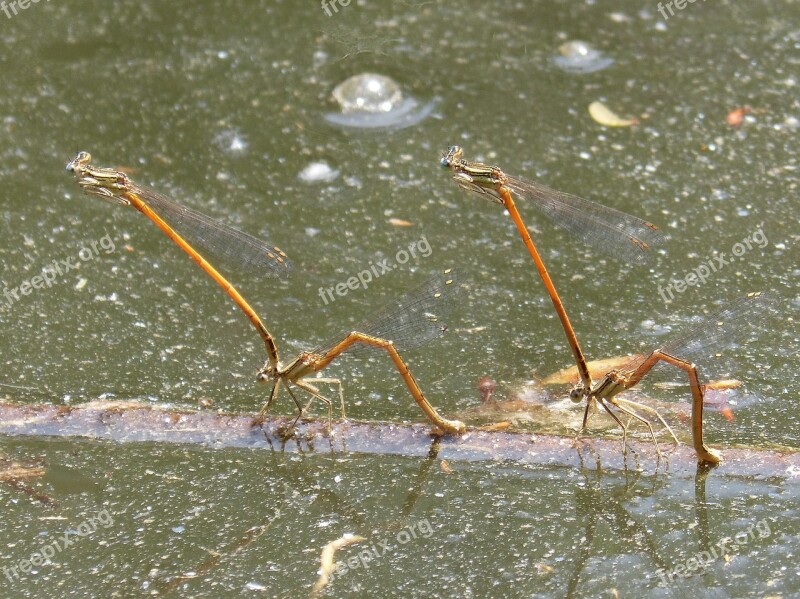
605	116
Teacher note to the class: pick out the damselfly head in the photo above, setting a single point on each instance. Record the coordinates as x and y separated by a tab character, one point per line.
577	393
266	374
105	183
452	156
79	163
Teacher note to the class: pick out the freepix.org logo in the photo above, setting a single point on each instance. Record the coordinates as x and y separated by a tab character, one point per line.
332	6
11	9
45	554
54	270
374	552
700	562
702	272
420	248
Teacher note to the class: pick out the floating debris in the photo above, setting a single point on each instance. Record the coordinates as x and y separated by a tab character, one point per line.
580	57
736	116
486	386
326	559
792	123
605	116
597	368
497	426
369	101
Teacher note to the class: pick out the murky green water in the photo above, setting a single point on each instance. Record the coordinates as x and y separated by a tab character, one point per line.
223	106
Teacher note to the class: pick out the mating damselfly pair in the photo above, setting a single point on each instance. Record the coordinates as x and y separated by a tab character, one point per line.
416	317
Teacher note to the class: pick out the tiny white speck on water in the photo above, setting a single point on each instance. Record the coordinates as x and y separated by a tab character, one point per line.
231	141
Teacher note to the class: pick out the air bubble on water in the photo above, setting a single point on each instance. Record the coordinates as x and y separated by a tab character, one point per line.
368	92
371	101
581	57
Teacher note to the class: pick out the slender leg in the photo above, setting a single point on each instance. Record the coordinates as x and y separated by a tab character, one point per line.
633	414
314	393
590	401
449	426
591	406
338	383
272	395
300	409
620	404
704	453
624	428
619	400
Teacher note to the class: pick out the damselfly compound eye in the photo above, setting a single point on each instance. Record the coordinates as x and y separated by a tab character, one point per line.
576	394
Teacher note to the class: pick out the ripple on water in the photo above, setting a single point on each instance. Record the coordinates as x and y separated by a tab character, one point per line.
372	101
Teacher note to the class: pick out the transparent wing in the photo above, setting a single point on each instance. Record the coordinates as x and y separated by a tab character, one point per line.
410	321
737	321
221	244
611	231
